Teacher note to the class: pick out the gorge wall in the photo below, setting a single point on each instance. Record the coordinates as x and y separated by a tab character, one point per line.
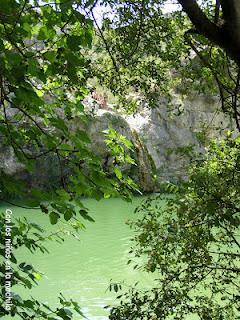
159	134
156	134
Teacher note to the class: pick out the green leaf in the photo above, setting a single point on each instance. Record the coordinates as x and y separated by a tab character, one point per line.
67	215
82	135
37	276
64	313
74	42
54	216
50	56
43	33
118	173
85	215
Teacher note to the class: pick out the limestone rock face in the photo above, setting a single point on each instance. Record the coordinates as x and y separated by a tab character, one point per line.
156	134
101	121
8	161
163	134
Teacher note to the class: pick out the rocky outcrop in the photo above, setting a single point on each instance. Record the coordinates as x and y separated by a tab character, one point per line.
164	132
145	165
160	133
99	123
156	133
8	161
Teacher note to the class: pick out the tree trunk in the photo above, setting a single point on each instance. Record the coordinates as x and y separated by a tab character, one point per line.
226	36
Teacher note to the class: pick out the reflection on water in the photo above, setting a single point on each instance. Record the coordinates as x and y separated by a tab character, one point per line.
82	270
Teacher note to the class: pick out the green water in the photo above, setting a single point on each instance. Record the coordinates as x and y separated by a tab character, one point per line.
82	270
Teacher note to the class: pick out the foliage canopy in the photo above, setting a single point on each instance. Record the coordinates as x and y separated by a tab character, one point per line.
191	243
44	70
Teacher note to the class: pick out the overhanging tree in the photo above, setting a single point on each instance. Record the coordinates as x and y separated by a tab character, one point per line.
142	39
224	31
43	76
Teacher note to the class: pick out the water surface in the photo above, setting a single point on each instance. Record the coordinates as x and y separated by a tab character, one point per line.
82	270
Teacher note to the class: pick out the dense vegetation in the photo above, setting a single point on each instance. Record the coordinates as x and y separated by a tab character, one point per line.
191	244
44	73
49	51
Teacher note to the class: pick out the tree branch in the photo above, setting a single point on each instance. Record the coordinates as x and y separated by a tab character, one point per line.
228	35
201	22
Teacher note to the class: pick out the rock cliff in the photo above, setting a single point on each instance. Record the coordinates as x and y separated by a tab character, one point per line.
156	133
165	132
